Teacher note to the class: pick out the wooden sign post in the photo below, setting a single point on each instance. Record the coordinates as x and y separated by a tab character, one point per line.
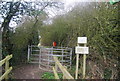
77	62
81	50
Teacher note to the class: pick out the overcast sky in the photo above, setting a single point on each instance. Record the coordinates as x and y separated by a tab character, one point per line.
67	5
52	13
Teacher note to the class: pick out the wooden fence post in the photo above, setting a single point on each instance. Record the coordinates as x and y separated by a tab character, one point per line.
55	74
56	67
63	74
63	69
6	68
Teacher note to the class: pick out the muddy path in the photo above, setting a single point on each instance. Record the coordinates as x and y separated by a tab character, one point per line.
28	71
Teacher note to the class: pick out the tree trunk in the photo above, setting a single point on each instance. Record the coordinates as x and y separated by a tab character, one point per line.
6	44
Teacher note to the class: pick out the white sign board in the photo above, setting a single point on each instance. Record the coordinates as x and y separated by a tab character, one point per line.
81	50
82	40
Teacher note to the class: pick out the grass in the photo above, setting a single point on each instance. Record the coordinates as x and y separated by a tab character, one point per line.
49	75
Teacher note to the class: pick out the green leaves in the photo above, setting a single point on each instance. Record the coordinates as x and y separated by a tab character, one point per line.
48	75
99	22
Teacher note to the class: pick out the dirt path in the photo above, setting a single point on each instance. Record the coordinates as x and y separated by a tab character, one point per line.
28	71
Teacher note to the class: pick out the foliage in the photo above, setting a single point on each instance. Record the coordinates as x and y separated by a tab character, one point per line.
26	34
23	36
97	21
48	75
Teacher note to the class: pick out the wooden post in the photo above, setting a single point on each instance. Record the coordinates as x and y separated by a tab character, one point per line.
56	74
56	67
63	69
84	63
6	68
63	74
77	63
84	51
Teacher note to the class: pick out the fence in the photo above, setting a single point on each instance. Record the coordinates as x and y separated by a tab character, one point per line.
66	74
44	56
7	68
33	54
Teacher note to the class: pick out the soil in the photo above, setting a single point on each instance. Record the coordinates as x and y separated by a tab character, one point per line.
28	71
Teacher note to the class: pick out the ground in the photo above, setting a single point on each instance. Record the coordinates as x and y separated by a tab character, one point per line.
28	71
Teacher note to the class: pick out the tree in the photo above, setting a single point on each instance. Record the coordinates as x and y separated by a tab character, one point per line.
12	11
97	21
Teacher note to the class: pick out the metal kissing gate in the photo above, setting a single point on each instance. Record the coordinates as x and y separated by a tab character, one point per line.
44	56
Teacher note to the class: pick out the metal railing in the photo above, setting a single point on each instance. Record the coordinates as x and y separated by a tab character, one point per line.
44	56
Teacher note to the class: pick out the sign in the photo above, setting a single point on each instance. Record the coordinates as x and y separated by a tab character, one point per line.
81	50
82	40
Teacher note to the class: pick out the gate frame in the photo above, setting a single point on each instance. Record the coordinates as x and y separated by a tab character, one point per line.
50	55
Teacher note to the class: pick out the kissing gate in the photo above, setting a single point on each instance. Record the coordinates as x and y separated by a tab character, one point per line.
43	56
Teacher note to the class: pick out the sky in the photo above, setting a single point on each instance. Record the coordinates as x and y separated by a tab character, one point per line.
67	5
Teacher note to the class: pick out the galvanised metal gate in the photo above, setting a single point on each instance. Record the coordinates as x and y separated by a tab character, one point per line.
44	56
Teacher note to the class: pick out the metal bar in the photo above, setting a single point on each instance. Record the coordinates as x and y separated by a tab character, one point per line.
28	53
47	65
54	61
52	55
70	58
48	61
31	50
39	56
35	50
62	56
